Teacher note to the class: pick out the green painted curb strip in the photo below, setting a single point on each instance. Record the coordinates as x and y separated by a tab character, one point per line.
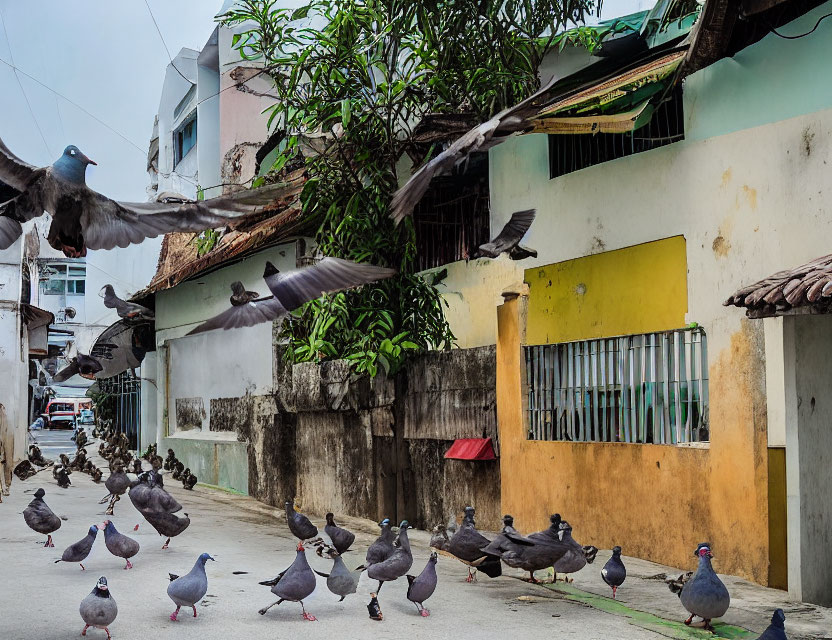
669	628
224	489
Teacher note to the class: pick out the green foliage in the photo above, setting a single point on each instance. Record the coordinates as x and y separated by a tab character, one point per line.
205	241
352	78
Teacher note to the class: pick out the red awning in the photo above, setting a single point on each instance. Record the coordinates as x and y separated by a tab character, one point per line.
471	449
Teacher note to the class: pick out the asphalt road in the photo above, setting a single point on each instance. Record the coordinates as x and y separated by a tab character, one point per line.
53	442
39	599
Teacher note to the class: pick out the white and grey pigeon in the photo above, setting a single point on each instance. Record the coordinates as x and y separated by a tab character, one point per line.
98	609
126	310
291	290
84	219
508	240
421	588
777	629
705	595
614	572
187	590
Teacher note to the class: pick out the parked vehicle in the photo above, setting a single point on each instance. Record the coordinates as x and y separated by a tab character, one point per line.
62	412
86	417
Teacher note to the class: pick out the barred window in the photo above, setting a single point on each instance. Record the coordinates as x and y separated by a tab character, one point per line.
645	388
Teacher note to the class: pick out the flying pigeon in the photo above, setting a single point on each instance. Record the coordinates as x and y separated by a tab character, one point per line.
122	346
189	589
294	584
422	587
291	290
84	219
299	524
577	557
239	295
777	629
79	551
508	240
119	544
98	609
466	546
126	310
342	539
340	580
382	548
399	562
614	572
39	517
705	595
82	365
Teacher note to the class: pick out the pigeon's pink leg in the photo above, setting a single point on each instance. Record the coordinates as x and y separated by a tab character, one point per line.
129	564
82	566
307	616
107	631
425	613
49	542
136	528
613	593
470	577
689	620
194	608
174	614
167	542
84	632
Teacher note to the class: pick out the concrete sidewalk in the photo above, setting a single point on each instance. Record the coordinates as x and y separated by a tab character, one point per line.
39	599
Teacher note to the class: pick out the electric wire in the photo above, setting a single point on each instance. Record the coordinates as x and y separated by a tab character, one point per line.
165	44
800	35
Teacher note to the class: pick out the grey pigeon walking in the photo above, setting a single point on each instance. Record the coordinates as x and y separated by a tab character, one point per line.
548	547
777	629
116	483
422	587
508	240
399	562
466	546
84	219
299	524
508	536
294	584
125	310
39	518
98	609
187	590
382	548
340	580
342	539
79	551
168	525
292	290
576	557
614	572
705	595
119	544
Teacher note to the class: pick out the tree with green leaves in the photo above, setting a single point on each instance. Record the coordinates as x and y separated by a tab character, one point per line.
353	78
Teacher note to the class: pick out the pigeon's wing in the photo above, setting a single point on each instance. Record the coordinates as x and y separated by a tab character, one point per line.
21	206
244	315
120	347
67	372
13	171
330	274
518	539
107	224
514	230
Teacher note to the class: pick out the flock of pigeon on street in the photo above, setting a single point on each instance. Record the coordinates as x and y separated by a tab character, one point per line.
388	558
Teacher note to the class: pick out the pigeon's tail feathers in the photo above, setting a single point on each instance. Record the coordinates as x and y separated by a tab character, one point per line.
270	583
57	561
590	552
10	231
410	579
361	567
323	575
173	576
491	567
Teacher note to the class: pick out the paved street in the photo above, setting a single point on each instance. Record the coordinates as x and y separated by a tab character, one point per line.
53	442
251	543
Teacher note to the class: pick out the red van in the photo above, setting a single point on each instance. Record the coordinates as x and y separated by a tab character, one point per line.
61	412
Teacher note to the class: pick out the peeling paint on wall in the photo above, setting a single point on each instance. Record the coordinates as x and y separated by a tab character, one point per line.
190	413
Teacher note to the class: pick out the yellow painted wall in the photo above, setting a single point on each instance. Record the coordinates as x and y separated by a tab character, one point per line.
656	501
638	289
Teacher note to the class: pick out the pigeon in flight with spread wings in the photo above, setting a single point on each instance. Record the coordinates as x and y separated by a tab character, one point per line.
84	219
291	290
125	310
508	240
85	366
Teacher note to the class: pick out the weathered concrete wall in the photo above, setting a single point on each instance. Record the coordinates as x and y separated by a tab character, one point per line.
375	447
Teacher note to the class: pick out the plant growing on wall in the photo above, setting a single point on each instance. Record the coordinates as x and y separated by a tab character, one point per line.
353	77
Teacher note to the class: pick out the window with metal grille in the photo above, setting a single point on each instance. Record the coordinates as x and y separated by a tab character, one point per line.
645	388
452	220
572	152
184	138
